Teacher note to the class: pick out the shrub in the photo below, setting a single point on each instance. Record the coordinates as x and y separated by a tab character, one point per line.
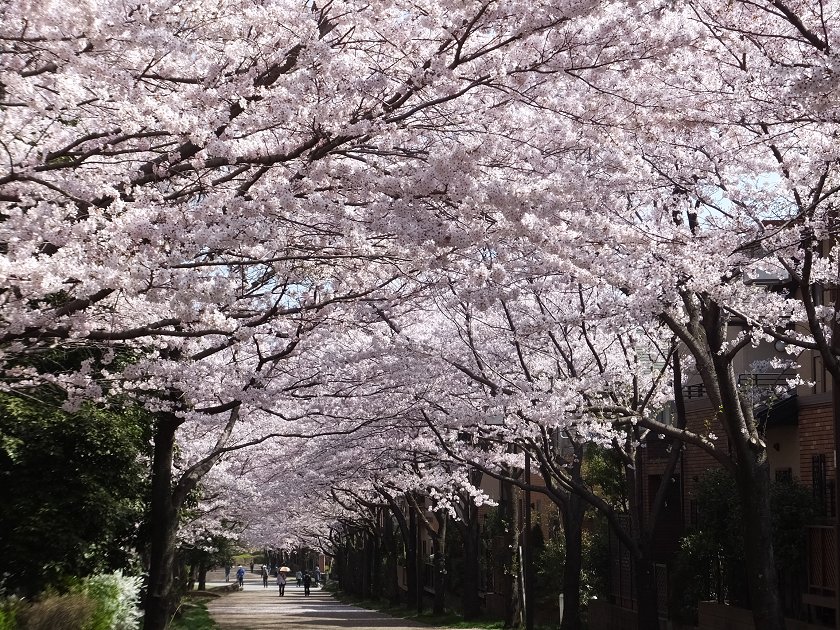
116	599
99	602
58	612
8	614
710	563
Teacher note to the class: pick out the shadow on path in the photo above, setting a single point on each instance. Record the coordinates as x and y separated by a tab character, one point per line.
258	608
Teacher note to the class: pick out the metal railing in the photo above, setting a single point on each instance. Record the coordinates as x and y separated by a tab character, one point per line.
764	383
821	543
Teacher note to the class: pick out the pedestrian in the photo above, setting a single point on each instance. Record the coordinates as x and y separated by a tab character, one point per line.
265	576
307	582
281	583
299	578
317	576
240	576
227	572
252	566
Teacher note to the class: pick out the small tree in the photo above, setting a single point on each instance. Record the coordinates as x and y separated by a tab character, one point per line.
73	488
710	563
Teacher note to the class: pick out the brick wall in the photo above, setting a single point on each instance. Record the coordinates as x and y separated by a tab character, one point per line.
816	435
700	418
816	450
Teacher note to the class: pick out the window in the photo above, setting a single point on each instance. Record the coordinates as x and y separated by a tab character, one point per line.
819	483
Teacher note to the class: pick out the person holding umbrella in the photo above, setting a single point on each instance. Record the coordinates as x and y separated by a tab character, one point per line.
281	580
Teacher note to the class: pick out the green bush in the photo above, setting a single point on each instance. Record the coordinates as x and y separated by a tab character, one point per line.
115	597
100	602
549	564
80	512
710	563
8	617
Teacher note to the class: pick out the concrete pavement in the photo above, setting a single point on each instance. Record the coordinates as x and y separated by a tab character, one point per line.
258	608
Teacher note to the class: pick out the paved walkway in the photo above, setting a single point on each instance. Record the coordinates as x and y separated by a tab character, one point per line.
258	608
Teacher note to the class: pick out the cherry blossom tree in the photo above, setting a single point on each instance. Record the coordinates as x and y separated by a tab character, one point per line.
205	196
193	187
544	359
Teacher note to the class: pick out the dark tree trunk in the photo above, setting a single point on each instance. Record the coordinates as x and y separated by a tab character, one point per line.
376	578
360	567
752	477
160	599
647	602
508	516
420	565
409	537
202	575
343	577
366	564
439	546
191	574
573	529
754	491
470	601
646	597
353	569
391	585
411	562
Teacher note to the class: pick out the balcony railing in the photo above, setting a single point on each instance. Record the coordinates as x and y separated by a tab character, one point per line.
694	391
762	384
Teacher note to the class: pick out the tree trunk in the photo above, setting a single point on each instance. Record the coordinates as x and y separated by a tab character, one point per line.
160	599
754	491
376	578
573	530
470	601
646	597
411	561
369	559
420	565
439	542
392	586
752	476
527	568
508	516
202	575
647	602
191	574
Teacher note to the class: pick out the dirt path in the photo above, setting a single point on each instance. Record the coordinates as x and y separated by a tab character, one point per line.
258	608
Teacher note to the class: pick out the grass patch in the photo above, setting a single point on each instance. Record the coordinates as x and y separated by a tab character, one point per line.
193	615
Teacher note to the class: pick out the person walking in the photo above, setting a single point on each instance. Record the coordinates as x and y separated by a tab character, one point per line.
227	572
307	582
299	578
281	583
240	577
265	576
317	576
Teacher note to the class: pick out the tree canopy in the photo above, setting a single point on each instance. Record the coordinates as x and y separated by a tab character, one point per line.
330	236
